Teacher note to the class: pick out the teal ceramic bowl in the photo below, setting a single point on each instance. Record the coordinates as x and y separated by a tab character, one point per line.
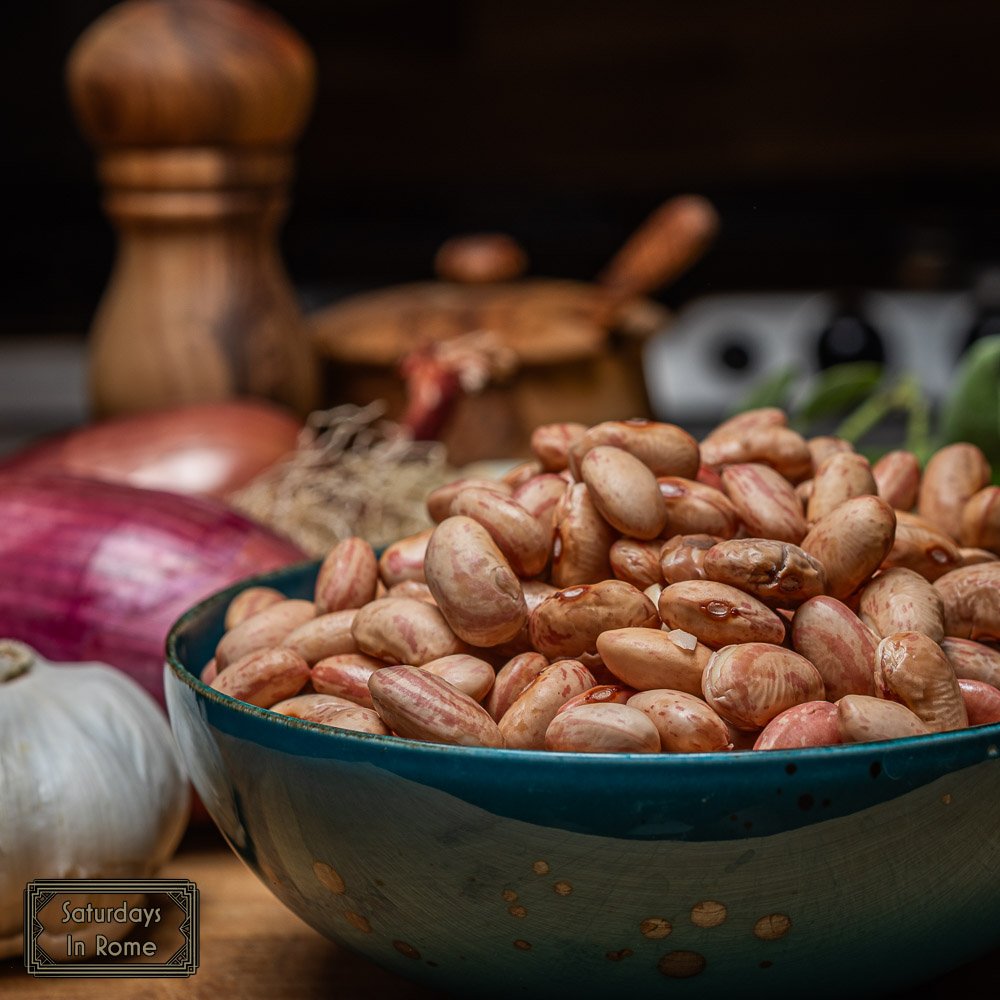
851	870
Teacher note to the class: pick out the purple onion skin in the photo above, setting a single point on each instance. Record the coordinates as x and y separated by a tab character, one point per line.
99	571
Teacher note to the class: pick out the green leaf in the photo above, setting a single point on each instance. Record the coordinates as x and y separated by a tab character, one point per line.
773	390
972	410
838	388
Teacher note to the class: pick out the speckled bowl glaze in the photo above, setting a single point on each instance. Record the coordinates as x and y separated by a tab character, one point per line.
849	870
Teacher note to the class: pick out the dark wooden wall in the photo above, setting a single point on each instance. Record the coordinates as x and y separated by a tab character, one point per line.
842	141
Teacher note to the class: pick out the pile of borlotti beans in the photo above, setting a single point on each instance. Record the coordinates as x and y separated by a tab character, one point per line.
632	590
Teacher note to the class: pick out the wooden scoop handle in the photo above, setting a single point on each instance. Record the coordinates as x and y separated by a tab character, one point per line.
662	248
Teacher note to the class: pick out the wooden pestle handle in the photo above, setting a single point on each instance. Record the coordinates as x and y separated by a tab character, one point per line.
662	248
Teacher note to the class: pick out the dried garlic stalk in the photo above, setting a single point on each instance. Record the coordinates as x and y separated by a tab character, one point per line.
354	473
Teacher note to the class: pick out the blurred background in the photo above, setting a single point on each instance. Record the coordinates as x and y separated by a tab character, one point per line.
848	148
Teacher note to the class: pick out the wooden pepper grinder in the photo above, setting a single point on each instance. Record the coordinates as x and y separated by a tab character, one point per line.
193	106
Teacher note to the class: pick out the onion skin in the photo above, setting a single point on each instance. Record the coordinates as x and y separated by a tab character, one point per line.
205	448
92	570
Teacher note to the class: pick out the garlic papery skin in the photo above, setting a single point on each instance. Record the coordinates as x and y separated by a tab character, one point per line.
91	783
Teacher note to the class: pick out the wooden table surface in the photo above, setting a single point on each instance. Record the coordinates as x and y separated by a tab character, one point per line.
252	948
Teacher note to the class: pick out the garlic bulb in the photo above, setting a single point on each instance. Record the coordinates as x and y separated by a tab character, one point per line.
91	785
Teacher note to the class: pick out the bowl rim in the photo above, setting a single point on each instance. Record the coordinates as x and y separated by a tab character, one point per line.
841	751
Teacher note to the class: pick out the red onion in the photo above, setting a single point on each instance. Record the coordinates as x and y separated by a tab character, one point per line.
98	571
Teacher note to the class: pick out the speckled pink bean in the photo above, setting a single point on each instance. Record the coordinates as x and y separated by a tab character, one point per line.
248	602
686	723
982	702
550	444
599	695
411	588
582	540
865	719
897	478
311	706
469	674
749	684
840	477
649	659
899	600
520	537
766	502
471	580
439	501
912	668
625	492
838	644
346	676
569	622
404	560
404	630
418	705
347	576
523	725
264	677
602	728
263	630
718	614
636	562
971	598
952	476
973	660
811	724
666	449
511	679
327	635
540	495
694	508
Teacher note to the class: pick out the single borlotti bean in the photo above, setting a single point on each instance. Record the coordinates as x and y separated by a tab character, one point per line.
569	622
851	542
649	659
624	491
469	674
346	676
982	702
511	679
685	722
973	557
825	445
953	474
809	724
747	421
550	444
523	725
971	598
355	719
261	631
683	557
665	449
866	719
973	660
326	635
897	477
477	591
766	502
404	560
602	728
209	672
522	473
718	614
248	602
922	547
519	536
838	644
540	496
749	684
439	501
347	576
264	677
840	477
779	574
418	705
411	588
693	508
980	524
779	448
636	562
582	540
404	630
899	600
311	706
912	668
